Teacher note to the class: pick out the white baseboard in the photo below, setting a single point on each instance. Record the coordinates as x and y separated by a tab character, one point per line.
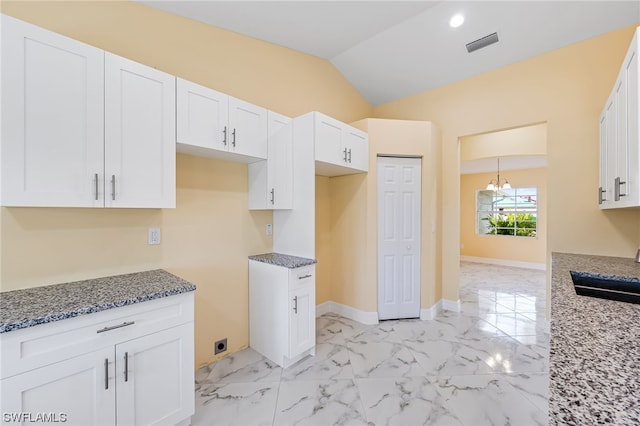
428	314
451	305
362	317
504	262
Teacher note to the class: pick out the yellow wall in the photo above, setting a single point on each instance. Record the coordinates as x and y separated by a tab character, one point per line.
208	237
526	141
354	215
522	249
324	268
565	88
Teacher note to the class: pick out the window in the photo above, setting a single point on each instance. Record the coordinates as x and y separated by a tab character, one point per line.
511	211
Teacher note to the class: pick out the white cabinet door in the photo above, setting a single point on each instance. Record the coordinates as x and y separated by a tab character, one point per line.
202	116
328	140
612	149
339	148
604	199
621	178
248	129
620	137
140	144
154	378
630	75
271	180
356	145
302	320
82	389
280	162
52	115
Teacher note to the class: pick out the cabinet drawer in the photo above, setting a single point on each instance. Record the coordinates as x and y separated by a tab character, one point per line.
299	277
25	349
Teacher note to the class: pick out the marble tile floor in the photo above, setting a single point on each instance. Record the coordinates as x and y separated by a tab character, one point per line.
485	365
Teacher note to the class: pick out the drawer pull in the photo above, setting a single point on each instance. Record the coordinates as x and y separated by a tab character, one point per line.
295	305
305	276
113	327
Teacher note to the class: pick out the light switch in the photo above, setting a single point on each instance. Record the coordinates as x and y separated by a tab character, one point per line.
269	229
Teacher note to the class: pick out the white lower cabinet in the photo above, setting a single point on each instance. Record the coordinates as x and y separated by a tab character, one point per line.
133	366
74	391
282	306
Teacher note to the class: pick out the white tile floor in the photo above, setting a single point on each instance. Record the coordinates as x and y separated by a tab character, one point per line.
486	365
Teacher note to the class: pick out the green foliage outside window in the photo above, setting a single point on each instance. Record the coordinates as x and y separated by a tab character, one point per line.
511	211
518	224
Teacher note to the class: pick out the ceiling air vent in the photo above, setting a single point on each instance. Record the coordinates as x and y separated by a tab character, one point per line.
482	42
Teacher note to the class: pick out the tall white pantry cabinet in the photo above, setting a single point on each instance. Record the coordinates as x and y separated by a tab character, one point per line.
82	127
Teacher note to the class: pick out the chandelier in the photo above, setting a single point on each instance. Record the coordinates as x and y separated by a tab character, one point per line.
498	184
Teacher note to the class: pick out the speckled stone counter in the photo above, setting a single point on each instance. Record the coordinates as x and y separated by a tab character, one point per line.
595	348
283	260
39	305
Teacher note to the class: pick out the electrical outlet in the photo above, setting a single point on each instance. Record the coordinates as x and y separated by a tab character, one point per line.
269	229
220	346
154	236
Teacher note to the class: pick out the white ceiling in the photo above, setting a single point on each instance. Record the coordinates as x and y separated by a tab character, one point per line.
392	49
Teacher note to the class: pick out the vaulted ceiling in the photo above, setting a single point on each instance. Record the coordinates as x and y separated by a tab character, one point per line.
392	49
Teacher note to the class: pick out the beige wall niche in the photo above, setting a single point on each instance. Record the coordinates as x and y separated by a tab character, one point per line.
518	249
209	235
565	88
354	215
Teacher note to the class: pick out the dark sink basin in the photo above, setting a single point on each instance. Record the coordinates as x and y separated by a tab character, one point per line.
613	287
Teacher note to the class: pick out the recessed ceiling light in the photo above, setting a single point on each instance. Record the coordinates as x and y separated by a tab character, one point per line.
456	20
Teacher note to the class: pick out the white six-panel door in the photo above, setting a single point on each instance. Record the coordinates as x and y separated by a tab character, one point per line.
399	200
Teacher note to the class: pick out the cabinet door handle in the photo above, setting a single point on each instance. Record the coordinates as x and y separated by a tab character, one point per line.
106	373
224	136
305	276
273	195
113	327
616	186
96	181
113	187
601	195
126	366
233	141
345	155
349	155
295	305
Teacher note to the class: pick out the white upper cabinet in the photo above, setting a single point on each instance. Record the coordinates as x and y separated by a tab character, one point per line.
339	148
64	144
140	148
213	124
619	137
53	118
271	180
203	115
248	129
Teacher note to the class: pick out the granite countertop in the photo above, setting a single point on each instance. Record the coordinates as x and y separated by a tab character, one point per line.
40	305
595	347
284	260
